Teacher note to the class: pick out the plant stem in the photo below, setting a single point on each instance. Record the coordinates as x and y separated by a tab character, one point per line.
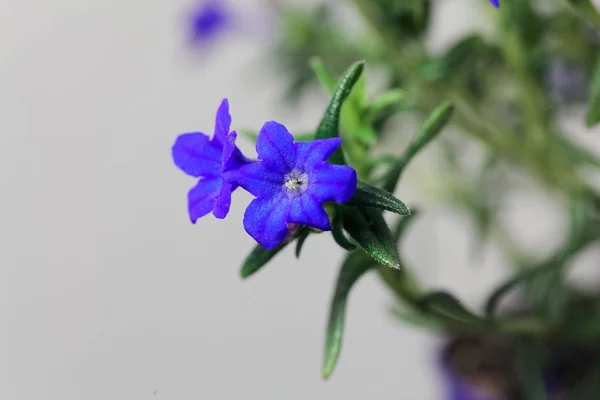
522	325
529	91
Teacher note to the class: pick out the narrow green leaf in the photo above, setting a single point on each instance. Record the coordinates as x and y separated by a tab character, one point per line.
337	231
329	125
592	116
521	278
433	125
371	196
299	137
578	154
415	318
387	99
370	231
356	264
529	367
365	135
464	52
358	94
351	111
326	80
258	258
446	306
402	281
302	235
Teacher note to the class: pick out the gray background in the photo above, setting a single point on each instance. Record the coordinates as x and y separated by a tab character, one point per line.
108	292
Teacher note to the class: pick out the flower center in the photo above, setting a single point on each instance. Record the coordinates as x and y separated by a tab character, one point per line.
295	182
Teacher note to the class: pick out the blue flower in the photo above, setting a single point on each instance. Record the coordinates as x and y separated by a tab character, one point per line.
291	182
495	3
201	157
210	19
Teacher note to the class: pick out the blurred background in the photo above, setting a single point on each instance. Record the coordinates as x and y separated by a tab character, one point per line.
109	292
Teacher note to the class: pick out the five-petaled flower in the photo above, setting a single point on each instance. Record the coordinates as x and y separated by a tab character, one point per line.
291	181
201	157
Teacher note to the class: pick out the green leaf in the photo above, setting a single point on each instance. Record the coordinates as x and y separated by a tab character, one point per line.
403	283
337	231
370	231
526	276
299	137
258	258
365	134
352	109
387	99
444	305
433	125
528	365
371	196
416	319
577	154
460	54
356	264
329	125
592	116
302	235
326	80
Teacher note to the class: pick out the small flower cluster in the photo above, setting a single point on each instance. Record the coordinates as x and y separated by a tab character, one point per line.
291	181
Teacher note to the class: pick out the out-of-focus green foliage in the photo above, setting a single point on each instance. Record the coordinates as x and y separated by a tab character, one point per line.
505	92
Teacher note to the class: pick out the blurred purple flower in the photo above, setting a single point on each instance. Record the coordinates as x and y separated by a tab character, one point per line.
495	3
566	82
210	19
460	388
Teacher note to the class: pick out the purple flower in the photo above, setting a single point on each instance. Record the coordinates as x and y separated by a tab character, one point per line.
210	19
566	82
495	3
291	182
201	157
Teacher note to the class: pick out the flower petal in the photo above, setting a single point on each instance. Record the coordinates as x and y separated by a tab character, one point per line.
310	153
275	145
196	155
201	198
265	220
257	178
232	156
306	210
330	182
222	122
223	200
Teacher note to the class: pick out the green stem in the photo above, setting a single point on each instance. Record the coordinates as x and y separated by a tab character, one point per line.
522	325
529	92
